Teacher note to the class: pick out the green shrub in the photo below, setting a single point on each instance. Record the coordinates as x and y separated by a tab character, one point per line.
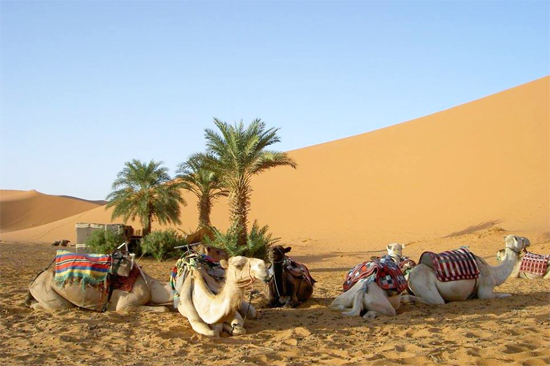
257	245
104	241
160	244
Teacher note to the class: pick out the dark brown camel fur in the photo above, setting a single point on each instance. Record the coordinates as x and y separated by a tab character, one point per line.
291	283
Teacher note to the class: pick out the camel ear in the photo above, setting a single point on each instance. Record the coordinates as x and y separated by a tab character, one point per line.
388	247
224	264
288	249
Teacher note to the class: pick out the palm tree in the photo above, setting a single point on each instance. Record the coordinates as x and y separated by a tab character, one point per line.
203	183
236	156
145	190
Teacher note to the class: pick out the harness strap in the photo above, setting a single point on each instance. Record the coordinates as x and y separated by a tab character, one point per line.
112	277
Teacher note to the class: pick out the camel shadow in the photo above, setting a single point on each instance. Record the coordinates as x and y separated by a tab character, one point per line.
316	316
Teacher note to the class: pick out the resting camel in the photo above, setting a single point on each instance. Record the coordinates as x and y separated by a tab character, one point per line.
368	295
517	273
44	293
424	283
206	311
291	282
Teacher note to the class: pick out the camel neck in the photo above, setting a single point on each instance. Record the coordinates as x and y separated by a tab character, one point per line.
503	271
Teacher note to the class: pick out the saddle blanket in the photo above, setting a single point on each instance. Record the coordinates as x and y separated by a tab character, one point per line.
127	283
299	270
452	265
534	263
384	271
89	268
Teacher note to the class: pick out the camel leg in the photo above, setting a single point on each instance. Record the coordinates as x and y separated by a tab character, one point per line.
247	310
357	303
487	293
345	300
411	299
423	284
376	302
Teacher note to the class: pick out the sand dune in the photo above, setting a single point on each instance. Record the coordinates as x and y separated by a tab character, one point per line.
27	209
462	170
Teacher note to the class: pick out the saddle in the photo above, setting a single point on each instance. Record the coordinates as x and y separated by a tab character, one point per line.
298	270
97	275
536	264
452	265
183	267
384	271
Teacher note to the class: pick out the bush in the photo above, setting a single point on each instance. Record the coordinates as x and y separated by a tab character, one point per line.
104	241
258	242
160	244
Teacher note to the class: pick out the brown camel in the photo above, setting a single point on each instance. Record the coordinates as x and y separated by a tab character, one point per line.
291	282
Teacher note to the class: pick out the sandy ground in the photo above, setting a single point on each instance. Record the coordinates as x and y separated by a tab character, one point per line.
514	330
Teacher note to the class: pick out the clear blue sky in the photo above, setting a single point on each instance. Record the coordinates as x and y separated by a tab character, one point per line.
87	86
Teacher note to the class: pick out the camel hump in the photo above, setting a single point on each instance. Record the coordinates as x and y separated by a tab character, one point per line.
452	265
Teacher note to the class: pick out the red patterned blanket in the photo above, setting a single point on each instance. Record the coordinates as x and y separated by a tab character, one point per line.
534	263
452	265
127	283
384	271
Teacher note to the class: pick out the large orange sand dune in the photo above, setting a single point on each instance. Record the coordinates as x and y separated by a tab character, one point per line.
465	169
26	209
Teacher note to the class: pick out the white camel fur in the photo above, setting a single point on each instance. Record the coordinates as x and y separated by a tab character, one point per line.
45	294
516	273
424	283
372	298
206	311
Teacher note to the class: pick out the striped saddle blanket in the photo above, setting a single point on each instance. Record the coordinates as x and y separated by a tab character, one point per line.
298	270
384	271
90	269
452	265
534	263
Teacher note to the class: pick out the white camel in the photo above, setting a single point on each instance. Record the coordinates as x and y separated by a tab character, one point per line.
516	273
424	283
207	311
45	293
370	297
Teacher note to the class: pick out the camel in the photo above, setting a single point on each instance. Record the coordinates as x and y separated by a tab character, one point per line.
207	311
517	273
367	295
45	293
291	282
424	283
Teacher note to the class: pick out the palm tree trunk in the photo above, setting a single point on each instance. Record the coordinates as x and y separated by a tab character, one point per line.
239	207
148	224
205	206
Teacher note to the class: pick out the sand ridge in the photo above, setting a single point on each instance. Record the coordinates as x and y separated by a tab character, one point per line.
462	170
21	210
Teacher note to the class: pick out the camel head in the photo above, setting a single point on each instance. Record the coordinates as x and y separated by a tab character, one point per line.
395	250
243	271
215	253
278	252
516	243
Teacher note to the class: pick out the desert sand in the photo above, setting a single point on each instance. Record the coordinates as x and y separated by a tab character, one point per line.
465	176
